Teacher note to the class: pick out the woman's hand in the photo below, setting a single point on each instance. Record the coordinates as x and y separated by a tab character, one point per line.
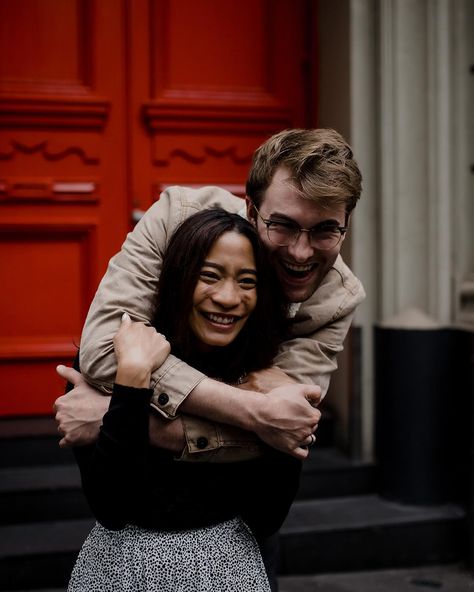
139	350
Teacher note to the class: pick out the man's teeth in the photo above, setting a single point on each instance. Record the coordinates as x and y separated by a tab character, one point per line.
299	268
221	320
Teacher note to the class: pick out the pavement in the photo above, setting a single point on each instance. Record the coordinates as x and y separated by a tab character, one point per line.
446	578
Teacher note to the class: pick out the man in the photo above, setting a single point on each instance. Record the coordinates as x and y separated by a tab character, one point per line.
301	190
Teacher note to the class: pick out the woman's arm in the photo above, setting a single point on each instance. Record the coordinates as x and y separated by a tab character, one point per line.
115	469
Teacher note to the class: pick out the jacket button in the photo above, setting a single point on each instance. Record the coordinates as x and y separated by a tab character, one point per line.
202	442
163	399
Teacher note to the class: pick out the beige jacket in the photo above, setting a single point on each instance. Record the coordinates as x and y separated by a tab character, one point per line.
130	283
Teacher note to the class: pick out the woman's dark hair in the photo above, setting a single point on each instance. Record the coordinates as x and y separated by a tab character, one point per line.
257	343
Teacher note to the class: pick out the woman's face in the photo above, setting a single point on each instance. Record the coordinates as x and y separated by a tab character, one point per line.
226	291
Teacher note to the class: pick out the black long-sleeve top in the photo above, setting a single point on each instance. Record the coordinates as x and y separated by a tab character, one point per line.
127	481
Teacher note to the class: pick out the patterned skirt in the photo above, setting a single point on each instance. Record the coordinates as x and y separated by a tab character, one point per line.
221	558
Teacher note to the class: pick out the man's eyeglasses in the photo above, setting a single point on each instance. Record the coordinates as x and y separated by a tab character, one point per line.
323	237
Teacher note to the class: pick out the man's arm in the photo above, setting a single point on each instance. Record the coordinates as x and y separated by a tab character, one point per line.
313	358
284	419
318	332
130	285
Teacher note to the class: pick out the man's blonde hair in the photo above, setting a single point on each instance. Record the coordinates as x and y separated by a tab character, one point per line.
320	163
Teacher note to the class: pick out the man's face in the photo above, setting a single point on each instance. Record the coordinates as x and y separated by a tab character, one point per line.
300	267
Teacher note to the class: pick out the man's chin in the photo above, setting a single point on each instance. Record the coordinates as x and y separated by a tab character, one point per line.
298	293
298	289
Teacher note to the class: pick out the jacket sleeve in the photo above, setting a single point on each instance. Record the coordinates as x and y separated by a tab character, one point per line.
313	358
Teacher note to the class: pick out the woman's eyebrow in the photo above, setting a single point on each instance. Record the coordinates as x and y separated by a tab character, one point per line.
221	268
211	264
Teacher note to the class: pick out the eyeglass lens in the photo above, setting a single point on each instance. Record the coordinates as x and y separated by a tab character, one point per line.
284	236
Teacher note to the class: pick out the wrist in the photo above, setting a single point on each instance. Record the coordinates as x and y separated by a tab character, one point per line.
251	411
223	403
243	409
133	375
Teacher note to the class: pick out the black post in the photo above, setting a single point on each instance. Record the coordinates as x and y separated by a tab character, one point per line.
470	515
423	425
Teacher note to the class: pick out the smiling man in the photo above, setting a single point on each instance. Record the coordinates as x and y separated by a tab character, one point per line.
301	256
301	190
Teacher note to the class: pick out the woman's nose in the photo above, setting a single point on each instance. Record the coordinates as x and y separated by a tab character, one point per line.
226	294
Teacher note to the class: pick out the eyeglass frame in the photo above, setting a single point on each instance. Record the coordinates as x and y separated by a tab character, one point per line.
342	231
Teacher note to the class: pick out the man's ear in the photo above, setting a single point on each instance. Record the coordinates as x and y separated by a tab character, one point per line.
251	215
346	224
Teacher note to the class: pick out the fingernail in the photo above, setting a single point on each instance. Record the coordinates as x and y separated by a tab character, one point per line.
59	368
125	317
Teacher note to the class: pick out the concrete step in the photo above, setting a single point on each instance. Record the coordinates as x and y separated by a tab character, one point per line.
39	493
327	472
40	556
31	441
53	491
333	535
368	532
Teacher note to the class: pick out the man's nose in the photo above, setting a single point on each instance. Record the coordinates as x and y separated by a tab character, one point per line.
227	294
301	250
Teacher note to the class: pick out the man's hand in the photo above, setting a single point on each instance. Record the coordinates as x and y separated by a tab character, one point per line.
265	380
285	418
79	412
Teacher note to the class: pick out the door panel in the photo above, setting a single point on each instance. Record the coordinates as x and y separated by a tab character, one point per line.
217	78
63	207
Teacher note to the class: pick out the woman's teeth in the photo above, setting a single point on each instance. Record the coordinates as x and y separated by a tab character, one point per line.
220	319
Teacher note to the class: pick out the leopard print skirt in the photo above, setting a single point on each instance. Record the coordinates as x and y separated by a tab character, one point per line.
221	558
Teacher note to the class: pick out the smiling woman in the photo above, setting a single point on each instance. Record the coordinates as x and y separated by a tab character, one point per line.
222	310
216	273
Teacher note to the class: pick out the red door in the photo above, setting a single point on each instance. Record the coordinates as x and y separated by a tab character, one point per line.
102	104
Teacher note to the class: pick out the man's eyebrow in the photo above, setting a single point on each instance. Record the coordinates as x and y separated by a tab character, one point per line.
329	221
222	269
280	215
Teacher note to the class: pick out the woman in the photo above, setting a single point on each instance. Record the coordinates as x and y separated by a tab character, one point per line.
163	524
